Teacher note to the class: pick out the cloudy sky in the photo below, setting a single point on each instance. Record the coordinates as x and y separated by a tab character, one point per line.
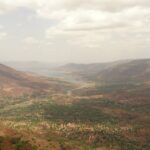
74	30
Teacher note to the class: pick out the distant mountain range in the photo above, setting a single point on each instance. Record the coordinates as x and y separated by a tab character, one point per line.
113	72
106	73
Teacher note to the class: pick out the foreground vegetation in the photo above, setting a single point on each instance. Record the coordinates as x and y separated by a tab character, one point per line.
86	124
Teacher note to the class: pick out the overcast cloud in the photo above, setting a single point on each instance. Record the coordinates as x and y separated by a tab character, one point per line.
74	30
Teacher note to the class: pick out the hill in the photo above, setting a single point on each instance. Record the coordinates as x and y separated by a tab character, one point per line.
135	71
41	68
113	72
15	83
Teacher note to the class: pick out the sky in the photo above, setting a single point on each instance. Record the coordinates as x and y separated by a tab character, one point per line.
81	31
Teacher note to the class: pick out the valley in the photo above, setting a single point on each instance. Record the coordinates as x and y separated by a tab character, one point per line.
102	109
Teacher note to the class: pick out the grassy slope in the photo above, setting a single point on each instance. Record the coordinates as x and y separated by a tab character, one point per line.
85	124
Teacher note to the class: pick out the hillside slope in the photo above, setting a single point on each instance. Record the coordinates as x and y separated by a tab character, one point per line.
14	82
135	71
113	72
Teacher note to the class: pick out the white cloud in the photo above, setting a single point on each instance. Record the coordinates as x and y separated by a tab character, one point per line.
30	40
3	35
91	27
1	27
88	23
84	14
